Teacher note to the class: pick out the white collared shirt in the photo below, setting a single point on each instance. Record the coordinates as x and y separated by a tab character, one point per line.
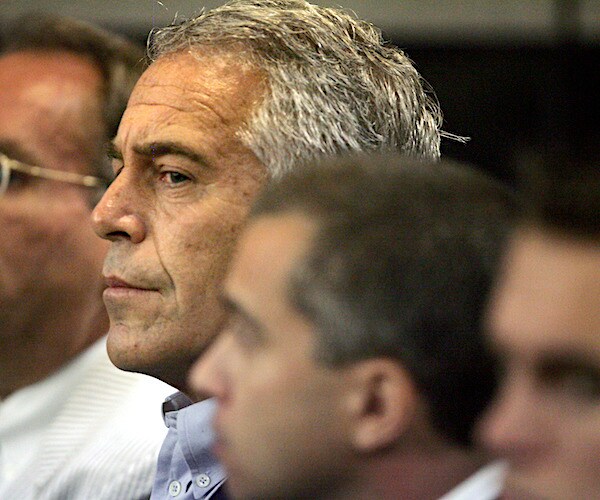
485	484
26	413
96	433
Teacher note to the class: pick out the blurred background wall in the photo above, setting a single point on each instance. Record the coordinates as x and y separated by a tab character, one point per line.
510	74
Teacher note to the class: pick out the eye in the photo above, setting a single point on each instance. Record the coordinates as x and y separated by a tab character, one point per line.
244	332
173	178
575	382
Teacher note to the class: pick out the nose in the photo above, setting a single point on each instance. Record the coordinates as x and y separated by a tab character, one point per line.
209	376
119	213
514	426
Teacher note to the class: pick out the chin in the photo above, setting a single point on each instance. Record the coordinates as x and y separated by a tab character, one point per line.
124	351
527	490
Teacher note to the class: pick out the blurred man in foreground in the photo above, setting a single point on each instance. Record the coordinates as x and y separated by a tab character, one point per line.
545	323
353	364
233	97
72	426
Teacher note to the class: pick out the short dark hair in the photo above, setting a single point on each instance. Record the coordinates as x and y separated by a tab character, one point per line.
560	191
402	260
120	61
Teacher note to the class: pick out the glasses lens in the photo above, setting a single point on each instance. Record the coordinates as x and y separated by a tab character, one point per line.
4	176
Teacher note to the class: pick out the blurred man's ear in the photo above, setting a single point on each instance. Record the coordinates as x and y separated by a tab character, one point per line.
382	403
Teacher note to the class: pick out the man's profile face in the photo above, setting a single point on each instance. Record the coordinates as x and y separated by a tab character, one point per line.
184	182
281	424
545	322
50	258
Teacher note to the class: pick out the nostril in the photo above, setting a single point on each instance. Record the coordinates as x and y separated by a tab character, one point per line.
114	235
113	222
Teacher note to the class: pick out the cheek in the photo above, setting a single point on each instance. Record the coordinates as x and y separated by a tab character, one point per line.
262	389
84	249
76	253
261	424
50	247
282	429
570	468
26	247
272	396
195	248
581	442
38	235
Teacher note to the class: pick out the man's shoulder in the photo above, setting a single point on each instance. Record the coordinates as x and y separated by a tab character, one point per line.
104	441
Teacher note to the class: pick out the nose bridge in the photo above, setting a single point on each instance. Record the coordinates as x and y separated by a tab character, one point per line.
119	213
513	419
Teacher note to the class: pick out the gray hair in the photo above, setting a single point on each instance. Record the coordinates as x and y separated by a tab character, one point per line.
334	84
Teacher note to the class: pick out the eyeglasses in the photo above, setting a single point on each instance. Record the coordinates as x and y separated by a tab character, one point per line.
8	165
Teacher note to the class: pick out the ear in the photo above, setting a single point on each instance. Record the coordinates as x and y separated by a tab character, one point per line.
383	403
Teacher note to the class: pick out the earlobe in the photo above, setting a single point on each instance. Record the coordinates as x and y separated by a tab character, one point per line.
383	404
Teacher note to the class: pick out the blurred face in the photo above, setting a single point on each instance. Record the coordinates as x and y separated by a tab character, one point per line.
184	183
545	320
281	426
50	258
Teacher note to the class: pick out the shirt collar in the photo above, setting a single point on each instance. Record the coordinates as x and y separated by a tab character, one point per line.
175	402
485	484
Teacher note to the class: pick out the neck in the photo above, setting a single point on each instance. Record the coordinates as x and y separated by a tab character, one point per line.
414	475
31	353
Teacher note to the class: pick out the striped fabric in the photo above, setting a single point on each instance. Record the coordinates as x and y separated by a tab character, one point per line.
104	442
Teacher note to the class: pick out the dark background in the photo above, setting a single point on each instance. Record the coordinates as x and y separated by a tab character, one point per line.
511	100
513	75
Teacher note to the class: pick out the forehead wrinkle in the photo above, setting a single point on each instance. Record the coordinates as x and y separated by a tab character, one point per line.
230	104
220	82
191	101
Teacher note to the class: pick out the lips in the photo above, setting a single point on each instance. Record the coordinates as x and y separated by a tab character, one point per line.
116	284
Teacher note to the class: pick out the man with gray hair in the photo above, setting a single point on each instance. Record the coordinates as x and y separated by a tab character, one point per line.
72	426
233	97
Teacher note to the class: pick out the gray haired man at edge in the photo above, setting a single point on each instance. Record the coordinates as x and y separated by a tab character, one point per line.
72	426
233	97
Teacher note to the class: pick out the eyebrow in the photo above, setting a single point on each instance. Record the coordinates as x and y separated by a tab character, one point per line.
232	307
570	361
157	149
